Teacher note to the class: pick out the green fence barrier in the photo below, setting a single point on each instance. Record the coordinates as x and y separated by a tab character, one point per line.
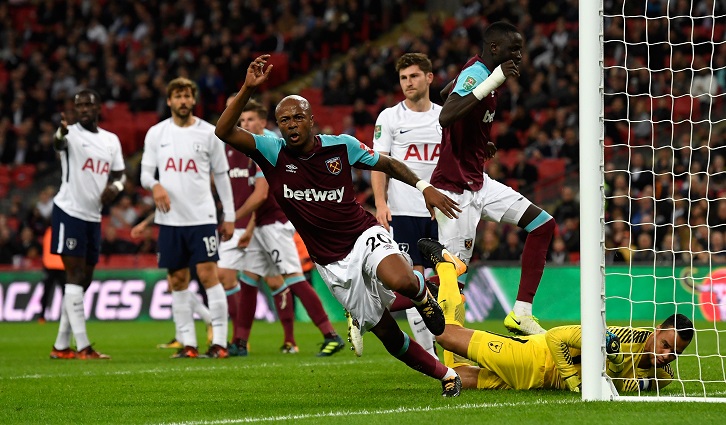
640	293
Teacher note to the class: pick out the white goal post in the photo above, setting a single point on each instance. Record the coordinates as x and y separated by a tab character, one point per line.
694	120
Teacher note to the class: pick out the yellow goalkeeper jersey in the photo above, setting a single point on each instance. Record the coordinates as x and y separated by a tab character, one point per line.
545	361
565	342
511	362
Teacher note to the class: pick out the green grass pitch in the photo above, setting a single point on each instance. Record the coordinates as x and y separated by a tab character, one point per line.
142	385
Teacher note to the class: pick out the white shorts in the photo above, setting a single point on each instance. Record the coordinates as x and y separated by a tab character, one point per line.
495	202
231	257
272	251
353	280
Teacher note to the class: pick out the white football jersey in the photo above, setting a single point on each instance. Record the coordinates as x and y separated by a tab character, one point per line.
185	157
414	138
85	165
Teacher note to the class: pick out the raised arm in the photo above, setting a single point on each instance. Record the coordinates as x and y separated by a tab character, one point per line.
434	199
457	106
59	138
227	128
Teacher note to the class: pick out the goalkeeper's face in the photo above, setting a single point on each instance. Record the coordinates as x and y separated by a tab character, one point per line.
667	346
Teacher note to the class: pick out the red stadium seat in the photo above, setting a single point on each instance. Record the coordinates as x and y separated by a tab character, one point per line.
22	175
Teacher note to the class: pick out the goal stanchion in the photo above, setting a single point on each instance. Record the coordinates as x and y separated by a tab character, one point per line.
652	181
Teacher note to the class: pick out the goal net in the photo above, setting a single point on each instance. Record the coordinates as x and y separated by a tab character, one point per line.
652	162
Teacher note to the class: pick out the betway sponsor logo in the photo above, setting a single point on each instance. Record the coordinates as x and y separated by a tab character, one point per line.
313	194
237	172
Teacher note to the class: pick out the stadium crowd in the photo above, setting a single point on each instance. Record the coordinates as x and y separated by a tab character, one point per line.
128	50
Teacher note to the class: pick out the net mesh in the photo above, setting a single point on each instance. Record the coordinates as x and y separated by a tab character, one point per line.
664	74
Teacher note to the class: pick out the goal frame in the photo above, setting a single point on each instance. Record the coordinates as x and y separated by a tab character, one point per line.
596	386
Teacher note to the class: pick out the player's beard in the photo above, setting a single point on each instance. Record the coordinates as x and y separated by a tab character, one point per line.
183	113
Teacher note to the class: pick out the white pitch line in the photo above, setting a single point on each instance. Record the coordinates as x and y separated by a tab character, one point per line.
217	366
343	413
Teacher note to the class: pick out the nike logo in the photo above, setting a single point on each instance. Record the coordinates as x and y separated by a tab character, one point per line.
406	131
519	322
85	145
165	145
417	322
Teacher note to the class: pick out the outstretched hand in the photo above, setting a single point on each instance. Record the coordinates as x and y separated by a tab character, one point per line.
436	199
256	73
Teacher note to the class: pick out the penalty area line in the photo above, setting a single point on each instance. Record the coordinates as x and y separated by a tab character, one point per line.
366	412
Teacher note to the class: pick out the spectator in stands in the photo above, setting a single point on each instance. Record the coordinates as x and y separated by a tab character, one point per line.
567	207
523	172
44	205
111	244
27	244
558	252
512	248
361	116
644	249
124	214
147	245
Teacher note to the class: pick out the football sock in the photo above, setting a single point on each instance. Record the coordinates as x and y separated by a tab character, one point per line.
310	300
415	357
421	333
233	301
63	339
246	313
534	256
285	312
73	303
181	307
401	303
420	296
522	308
199	308
450	373
449	296
218	312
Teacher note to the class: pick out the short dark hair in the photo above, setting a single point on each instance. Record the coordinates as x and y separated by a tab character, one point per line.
496	31
410	59
682	325
181	83
255	106
89	92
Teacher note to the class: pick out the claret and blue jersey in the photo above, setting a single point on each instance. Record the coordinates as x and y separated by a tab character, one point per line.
316	191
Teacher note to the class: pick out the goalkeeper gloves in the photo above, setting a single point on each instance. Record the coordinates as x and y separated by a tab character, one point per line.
612	349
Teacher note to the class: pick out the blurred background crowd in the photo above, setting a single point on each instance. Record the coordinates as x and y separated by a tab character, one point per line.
665	144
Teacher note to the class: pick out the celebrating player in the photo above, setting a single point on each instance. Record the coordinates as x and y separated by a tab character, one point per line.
270	252
184	150
466	144
637	359
92	176
310	177
409	132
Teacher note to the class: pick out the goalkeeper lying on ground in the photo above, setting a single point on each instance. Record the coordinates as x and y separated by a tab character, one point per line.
638	359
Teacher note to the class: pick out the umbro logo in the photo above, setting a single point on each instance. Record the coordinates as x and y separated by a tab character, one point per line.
291	168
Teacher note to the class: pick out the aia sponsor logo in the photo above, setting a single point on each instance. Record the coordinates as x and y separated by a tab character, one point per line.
180	165
423	152
96	167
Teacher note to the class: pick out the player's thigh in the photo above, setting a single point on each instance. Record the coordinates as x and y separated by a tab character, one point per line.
500	203
458	234
257	260
74	237
352	280
407	230
203	244
278	240
172	252
230	256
